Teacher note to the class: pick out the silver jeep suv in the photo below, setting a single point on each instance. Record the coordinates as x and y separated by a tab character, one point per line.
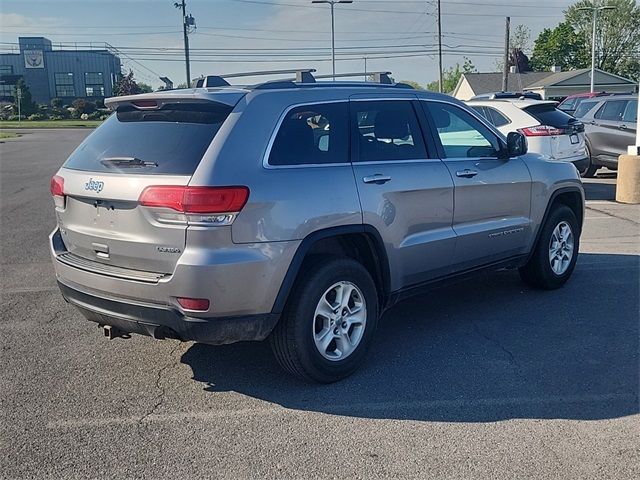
298	211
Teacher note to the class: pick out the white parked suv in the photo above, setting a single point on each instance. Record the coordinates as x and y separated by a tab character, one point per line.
549	131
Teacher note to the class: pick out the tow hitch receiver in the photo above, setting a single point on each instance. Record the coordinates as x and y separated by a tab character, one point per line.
112	332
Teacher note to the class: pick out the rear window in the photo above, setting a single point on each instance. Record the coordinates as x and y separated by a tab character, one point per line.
167	141
548	114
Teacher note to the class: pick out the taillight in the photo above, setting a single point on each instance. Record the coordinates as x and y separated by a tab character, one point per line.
57	186
200	304
195	199
542	131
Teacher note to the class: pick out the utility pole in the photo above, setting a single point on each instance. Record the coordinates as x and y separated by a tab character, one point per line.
187	21
439	47
505	68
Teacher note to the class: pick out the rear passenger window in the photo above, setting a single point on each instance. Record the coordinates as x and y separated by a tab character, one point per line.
612	110
497	118
462	135
312	134
387	130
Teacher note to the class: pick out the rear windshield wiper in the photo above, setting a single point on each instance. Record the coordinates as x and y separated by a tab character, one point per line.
126	162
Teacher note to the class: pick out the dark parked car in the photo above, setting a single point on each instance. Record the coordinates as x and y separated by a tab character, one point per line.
610	127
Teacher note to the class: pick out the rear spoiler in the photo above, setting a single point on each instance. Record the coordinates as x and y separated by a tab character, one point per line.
156	100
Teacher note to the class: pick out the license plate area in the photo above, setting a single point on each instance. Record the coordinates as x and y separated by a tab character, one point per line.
574	139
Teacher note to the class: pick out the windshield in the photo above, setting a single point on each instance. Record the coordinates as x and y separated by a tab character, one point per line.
169	141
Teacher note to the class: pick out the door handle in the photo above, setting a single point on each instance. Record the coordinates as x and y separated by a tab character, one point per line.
466	173
622	127
377	179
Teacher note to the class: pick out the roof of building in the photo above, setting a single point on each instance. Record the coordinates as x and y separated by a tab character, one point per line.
562	77
492	82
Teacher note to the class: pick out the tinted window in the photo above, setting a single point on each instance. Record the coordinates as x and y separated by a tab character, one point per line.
312	134
171	140
387	130
631	112
568	104
461	135
583	109
612	110
497	118
482	111
548	114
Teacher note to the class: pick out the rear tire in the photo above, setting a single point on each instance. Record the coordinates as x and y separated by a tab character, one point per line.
556	252
591	170
322	337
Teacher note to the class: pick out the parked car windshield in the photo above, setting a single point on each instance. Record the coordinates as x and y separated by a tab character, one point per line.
170	140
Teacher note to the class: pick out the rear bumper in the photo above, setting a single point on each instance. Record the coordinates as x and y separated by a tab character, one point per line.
581	163
165	322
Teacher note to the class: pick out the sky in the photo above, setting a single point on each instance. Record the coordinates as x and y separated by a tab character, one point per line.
248	35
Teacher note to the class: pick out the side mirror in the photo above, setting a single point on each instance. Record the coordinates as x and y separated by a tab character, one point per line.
516	144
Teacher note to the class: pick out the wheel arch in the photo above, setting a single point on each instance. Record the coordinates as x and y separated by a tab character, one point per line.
571	197
361	242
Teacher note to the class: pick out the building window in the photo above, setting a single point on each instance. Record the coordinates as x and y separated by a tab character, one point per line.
64	85
93	84
6	91
6	69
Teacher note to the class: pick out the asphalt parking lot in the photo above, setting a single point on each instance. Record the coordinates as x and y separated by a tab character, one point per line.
485	378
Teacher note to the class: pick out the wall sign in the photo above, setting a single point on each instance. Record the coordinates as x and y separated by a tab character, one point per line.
33	59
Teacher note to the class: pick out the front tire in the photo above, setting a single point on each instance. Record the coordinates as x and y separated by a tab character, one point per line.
329	321
556	252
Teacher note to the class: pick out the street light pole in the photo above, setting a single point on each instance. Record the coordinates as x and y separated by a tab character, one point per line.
332	3
594	11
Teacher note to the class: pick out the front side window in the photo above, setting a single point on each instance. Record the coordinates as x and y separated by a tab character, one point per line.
631	112
583	109
387	130
312	134
612	110
94	85
64	84
462	135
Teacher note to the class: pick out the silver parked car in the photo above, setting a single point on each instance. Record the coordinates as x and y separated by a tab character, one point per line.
298	211
610	127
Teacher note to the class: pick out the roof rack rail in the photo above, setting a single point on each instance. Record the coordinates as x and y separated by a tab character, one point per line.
378	77
304	75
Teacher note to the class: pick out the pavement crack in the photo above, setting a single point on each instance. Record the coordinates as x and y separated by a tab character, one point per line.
588	207
497	343
158	386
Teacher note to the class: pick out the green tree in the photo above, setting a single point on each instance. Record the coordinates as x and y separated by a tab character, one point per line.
415	85
617	34
126	85
145	88
560	46
451	76
27	105
617	39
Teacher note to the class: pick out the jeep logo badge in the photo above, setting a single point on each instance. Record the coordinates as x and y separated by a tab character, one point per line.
94	185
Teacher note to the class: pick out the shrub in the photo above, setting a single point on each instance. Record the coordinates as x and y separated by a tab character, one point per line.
37	116
83	106
99	102
56	102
